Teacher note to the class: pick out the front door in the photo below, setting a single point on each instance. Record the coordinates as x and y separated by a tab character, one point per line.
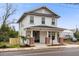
36	35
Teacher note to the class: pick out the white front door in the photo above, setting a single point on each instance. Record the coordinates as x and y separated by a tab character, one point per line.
43	34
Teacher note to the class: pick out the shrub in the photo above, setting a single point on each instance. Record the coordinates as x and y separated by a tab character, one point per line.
6	32
23	37
76	34
13	34
3	45
4	38
14	46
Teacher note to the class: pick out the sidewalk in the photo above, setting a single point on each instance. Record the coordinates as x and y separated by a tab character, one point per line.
33	48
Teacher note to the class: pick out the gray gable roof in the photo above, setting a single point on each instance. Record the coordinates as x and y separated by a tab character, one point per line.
39	14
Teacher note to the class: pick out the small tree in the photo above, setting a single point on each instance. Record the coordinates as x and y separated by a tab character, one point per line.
13	34
23	38
5	28
76	34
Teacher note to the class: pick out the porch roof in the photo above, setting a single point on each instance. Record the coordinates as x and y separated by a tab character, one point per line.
45	28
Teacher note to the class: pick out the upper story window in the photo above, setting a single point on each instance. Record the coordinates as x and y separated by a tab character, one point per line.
43	20
21	24
31	19
53	21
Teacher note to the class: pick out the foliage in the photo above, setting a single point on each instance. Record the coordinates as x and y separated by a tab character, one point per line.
76	34
6	32
13	34
14	46
6	45
3	45
23	37
8	11
4	38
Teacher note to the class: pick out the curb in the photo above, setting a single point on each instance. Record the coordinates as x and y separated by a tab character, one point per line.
36	48
26	49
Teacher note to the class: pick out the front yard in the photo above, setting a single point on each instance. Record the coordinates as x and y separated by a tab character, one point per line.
12	43
7	45
68	41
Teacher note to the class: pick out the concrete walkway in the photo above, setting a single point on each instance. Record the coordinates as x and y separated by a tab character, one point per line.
39	47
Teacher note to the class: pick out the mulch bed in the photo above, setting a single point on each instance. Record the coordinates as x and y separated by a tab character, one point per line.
26	46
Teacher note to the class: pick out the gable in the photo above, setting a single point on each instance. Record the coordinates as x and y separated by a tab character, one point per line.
42	11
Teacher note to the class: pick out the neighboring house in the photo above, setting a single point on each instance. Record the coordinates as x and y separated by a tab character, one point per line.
40	24
69	34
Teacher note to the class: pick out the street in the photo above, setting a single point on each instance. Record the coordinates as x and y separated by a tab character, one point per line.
44	52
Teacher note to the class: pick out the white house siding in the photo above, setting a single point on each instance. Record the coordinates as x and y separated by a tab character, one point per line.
43	34
25	23
22	26
56	22
37	21
49	21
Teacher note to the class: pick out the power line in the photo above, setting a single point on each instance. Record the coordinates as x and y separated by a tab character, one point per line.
73	6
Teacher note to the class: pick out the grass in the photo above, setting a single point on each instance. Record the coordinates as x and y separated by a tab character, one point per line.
70	42
7	45
14	46
4	44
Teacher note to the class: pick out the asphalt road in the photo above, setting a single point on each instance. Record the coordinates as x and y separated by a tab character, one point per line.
44	52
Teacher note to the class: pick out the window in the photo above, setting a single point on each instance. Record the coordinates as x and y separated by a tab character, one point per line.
31	19
53	22
21	24
43	20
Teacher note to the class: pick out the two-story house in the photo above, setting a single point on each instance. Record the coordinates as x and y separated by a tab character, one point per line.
41	25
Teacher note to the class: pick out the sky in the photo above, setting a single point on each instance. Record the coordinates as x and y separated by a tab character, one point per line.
69	13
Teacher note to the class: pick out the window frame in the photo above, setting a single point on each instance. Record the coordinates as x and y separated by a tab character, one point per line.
53	21
31	19
43	20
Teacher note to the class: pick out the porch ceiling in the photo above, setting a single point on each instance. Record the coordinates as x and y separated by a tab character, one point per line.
45	28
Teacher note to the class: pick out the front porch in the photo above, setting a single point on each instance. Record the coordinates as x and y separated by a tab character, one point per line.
44	35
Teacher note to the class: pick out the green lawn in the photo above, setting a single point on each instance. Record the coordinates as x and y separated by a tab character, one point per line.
7	45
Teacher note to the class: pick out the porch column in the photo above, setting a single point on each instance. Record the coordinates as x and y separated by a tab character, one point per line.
55	41
31	33
61	38
47	34
31	39
47	39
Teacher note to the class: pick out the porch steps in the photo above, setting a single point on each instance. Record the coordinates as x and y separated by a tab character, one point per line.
39	45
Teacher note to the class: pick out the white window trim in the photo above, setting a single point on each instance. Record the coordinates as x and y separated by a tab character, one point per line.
42	21
32	19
